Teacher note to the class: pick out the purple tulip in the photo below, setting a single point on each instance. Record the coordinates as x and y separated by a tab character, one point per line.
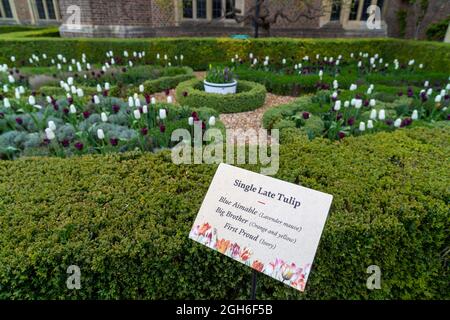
65	143
114	141
19	121
162	128
79	146
351	121
448	117
341	135
115	108
148	98
86	114
400	93
144	131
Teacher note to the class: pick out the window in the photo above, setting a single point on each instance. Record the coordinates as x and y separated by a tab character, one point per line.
188	9
336	10
354	10
46	9
201	9
210	9
5	10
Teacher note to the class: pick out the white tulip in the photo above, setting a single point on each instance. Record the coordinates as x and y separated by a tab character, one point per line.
284	61
447	87
369	124
137	102
11	79
5	88
191	121
369	91
13	59
429	92
50	135
358	103
372	102
398	123
130	102
438	98
153	100
353	87
382	115
212	121
362	126
49	99
52	125
73	89
169	99
80	93
70	81
337	105
421	66
346	104
100	134
32	100
107	86
251	55
162	114
426	84
70	69
17	94
373	114
137	114
145	109
415	115
141	88
72	109
96	99
104	117
6	103
335	84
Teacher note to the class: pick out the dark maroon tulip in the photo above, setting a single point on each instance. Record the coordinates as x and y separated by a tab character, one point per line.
185	94
54	75
148	98
144	131
33	93
351	121
115	108
446	97
79	146
70	100
448	117
46	141
400	93
167	92
114	141
203	125
105	93
366	103
86	114
339	116
19	121
358	96
66	111
124	69
76	75
341	135
2	115
102	72
389	122
65	143
305	115
162	128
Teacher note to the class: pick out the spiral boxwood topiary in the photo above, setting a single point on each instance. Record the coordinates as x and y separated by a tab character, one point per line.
249	96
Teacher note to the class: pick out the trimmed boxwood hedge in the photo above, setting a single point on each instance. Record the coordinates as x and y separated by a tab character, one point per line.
199	53
124	219
249	96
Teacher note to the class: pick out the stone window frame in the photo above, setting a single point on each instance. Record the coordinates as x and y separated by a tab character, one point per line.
209	11
13	11
55	8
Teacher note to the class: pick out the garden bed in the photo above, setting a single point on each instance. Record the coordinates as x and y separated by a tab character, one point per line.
249	96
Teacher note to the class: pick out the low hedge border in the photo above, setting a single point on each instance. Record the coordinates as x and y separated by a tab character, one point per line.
166	82
199	53
249	96
124	219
